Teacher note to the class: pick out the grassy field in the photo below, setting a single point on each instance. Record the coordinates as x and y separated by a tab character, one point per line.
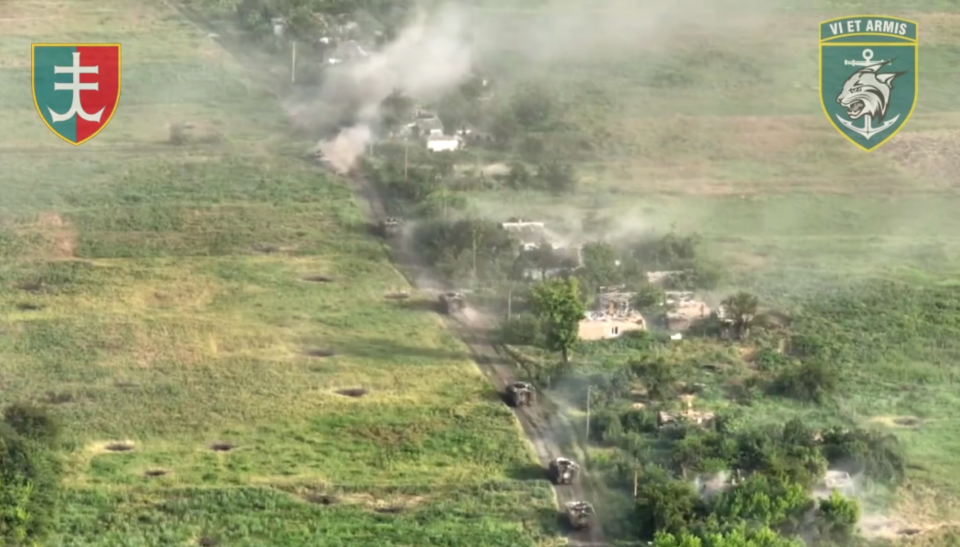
155	297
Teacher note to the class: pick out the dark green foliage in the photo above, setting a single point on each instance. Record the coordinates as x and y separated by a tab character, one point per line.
666	505
466	247
741	308
839	516
812	381
557	304
30	474
877	455
32	422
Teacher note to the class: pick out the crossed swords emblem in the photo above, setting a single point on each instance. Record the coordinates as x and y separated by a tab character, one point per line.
867	130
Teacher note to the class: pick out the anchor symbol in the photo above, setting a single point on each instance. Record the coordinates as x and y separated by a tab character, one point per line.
867	130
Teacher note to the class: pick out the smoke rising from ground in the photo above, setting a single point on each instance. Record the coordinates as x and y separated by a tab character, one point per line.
436	53
429	58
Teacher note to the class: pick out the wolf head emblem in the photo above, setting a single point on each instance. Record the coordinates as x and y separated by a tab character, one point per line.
866	93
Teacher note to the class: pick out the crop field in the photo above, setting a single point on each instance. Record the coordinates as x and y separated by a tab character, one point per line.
211	323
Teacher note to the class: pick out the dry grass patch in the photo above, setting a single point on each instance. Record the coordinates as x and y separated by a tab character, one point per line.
934	154
938	28
910	422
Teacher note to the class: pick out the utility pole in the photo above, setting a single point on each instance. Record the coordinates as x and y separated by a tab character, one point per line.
510	304
636	482
293	63
474	255
406	151
589	388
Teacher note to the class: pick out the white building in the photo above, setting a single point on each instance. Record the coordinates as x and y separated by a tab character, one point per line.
443	144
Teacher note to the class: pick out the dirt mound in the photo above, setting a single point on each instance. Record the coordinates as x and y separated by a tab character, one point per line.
120	446
156	472
222	447
317	278
356	393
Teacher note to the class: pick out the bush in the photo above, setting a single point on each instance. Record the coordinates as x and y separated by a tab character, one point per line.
32	422
877	455
810	381
30	475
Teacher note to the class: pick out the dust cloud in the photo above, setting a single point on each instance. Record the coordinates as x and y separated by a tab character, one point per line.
438	50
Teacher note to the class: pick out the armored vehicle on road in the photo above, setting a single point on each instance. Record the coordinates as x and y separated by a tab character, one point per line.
563	471
580	514
452	302
391	227
521	394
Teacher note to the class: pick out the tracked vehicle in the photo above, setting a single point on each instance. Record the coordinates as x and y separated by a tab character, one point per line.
521	394
452	302
391	227
563	471
580	514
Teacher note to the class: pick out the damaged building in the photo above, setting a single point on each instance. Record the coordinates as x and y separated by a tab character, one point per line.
611	316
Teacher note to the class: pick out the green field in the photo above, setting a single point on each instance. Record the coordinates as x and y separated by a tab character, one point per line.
157	297
154	297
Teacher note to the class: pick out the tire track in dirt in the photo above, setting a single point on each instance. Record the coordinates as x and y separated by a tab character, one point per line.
543	431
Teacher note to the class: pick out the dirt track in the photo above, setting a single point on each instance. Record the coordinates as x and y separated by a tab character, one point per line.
544	431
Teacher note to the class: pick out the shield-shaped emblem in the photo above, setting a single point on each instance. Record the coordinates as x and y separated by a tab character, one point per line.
868	76
76	88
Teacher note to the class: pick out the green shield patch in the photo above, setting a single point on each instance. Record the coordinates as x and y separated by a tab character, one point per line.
868	76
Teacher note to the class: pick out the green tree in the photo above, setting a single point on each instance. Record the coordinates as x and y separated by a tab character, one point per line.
754	537
741	308
557	303
812	380
601	265
768	500
839	516
669	506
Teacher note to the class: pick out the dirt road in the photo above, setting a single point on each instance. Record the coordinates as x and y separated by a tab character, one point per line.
475	329
544	431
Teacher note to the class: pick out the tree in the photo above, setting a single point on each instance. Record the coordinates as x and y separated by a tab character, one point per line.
741	308
668	506
839	516
557	303
756	537
557	177
813	380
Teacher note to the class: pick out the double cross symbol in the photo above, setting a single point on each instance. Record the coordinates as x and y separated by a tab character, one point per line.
867	59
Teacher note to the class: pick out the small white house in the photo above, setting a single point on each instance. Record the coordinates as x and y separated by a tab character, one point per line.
443	144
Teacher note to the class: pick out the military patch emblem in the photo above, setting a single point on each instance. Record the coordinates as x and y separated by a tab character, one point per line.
76	87
868	76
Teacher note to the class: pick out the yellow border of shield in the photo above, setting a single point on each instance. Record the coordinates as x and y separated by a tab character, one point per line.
33	88
907	43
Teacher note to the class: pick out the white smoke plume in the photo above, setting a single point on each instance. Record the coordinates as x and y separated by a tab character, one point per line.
429	58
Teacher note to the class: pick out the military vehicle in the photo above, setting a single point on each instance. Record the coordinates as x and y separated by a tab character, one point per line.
452	302
580	514
521	394
391	227
564	471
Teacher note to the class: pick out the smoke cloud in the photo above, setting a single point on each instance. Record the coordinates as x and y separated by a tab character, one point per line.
436	52
429	58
